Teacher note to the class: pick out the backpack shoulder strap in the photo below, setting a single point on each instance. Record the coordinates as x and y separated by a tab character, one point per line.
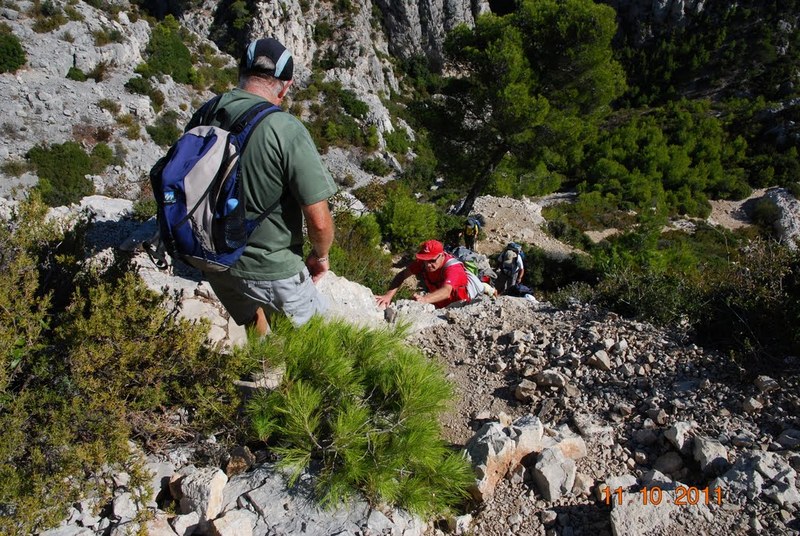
207	111
243	129
245	125
452	262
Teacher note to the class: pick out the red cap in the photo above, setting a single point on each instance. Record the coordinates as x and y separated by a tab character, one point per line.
430	250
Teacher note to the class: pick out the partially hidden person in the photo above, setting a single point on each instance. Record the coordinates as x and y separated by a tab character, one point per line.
446	281
511	268
280	168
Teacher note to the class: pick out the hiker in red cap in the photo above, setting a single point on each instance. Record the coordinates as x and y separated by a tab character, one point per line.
445	284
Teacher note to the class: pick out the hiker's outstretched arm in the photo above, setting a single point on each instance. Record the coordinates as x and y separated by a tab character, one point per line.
320	232
435	296
385	299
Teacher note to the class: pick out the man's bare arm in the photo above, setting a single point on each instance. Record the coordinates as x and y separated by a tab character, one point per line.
319	223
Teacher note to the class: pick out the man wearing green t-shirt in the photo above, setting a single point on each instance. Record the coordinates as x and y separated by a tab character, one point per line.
280	164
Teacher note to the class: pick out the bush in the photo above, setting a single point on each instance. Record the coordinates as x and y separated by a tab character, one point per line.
753	306
98	72
144	209
139	86
397	141
165	131
356	253
166	53
364	406
102	157
323	31
12	55
48	16
76	74
104	37
550	274
766	213
15	168
88	360
376	166
406	222
109	104
352	105
62	171
132	129
373	195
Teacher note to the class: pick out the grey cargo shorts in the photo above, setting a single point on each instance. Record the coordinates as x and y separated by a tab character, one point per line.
297	297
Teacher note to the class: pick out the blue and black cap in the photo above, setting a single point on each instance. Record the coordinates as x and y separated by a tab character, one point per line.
267	56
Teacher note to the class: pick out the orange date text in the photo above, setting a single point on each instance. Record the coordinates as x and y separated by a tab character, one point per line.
680	496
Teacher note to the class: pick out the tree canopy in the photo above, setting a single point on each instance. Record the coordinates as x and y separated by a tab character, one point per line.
531	88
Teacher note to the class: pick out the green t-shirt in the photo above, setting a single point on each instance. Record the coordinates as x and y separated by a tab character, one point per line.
280	160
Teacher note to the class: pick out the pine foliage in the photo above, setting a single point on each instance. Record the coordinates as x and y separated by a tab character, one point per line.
361	407
89	358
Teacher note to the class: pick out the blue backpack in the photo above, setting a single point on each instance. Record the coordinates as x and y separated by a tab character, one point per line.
197	185
516	248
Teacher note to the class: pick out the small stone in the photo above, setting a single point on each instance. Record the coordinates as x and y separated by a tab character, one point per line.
751	405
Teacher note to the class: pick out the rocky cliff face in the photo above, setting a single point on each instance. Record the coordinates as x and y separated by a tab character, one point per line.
419	28
642	16
358	46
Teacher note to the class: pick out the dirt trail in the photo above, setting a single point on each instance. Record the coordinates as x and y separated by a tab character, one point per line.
515	220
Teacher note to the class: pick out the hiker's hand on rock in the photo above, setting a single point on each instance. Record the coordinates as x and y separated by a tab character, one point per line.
317	267
420	298
384	300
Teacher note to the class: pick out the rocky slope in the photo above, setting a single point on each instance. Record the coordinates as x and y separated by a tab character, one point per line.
618	399
567	416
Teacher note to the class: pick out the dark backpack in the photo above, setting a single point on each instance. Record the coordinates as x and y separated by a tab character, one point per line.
508	262
516	248
472	227
197	185
468	258
508	259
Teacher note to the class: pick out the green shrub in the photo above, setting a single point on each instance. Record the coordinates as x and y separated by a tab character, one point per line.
241	14
72	13
12	55
356	254
333	119
76	74
104	36
397	141
48	16
373	195
352	105
364	406
62	171
88	360
794	189
323	31
109	104
550	274
376	166
166	53
132	129
650	294
406	222
15	168
753	306
102	157
139	85
165	131
766	213
144	209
